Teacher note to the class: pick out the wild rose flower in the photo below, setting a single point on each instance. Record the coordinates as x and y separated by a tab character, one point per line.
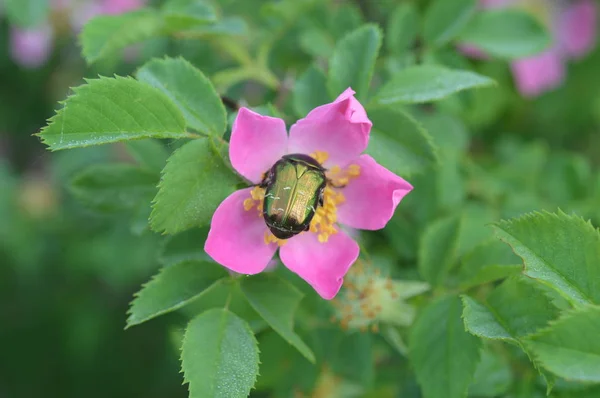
31	48
359	193
573	27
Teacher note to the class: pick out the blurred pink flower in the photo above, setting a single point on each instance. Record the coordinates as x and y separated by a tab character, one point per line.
573	27
31	48
360	194
121	6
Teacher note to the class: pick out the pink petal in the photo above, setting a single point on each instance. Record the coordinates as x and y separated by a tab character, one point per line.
236	236
577	28
31	48
341	129
256	143
322	265
372	197
115	7
538	74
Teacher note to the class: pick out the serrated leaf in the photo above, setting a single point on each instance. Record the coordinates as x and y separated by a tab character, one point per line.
184	14
402	28
353	61
442	353
106	35
507	33
310	91
276	300
108	110
559	250
487	262
219	356
570	347
194	182
190	90
150	154
437	250
515	309
445	19
427	83
113	187
172	288
399	143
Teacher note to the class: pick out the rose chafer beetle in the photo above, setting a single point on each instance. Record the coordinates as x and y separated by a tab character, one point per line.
293	190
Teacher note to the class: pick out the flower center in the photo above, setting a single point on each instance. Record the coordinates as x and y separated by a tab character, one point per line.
325	217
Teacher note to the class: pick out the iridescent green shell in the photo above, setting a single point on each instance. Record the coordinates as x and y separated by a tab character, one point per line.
293	191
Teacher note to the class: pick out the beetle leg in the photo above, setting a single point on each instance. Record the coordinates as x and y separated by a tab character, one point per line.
321	199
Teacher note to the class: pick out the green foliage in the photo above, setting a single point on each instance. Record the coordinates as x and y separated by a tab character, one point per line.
112	187
443	353
217	345
402	28
437	250
172	288
109	110
193	183
507	33
26	13
276	301
569	347
190	90
427	83
310	91
348	70
105	36
476	147
445	19
399	142
546	242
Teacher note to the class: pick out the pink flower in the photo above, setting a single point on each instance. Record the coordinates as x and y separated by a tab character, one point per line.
573	26
359	194
31	47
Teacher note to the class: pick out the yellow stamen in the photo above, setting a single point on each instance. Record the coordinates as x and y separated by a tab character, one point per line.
320	156
257	195
270	238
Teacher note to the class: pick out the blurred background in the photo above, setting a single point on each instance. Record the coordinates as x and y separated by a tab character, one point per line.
68	272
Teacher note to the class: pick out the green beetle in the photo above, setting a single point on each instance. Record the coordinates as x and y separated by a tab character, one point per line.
293	190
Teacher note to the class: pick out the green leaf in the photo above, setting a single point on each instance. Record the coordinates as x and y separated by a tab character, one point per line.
219	356
426	83
487	262
316	42
559	250
399	142
190	90
402	28
493	376
113	187
437	250
570	347
150	154
276	300
514	309
185	246
507	33
108	110
445	19
184	14
442	353
310	91
26	13
353	61
194	182
105	36
172	288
